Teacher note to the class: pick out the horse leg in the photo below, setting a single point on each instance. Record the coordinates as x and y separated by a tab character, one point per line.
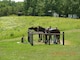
55	41
45	39
39	38
58	39
28	37
50	37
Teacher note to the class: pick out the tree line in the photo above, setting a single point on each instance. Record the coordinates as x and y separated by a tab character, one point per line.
40	7
8	7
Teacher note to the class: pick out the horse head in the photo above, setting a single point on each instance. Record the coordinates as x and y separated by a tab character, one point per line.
41	29
33	28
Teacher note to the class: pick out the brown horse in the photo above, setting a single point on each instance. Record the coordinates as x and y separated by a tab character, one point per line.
37	30
56	33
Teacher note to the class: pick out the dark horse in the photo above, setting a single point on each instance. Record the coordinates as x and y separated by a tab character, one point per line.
38	30
56	33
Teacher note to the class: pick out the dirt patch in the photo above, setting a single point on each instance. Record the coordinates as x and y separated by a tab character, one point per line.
61	42
38	43
66	42
8	40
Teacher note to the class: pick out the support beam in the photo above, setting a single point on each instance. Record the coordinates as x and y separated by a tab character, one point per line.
63	38
31	38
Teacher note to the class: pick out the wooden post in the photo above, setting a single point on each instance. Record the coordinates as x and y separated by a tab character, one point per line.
28	37
63	38
31	40
49	39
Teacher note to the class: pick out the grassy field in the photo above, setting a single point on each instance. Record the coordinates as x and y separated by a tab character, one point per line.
13	27
14	51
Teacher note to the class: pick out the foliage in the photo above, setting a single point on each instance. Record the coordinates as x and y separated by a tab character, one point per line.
40	7
62	7
8	7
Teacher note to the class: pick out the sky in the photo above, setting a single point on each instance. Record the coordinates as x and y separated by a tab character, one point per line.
18	0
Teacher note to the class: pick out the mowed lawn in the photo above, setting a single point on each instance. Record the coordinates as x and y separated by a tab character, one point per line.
13	27
19	51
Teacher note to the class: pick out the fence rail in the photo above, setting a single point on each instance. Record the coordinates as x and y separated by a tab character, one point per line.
45	33
30	36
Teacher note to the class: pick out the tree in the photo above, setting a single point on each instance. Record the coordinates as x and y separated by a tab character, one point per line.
27	4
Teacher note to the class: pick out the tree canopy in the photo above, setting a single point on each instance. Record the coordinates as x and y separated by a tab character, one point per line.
40	7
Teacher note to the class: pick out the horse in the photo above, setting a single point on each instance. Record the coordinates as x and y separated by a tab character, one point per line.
56	32
37	30
41	29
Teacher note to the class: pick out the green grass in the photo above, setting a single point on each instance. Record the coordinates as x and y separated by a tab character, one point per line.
17	26
14	51
13	27
73	37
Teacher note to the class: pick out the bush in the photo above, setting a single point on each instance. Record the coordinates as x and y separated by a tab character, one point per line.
11	34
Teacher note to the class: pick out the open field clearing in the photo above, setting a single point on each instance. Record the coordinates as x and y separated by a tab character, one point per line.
13	27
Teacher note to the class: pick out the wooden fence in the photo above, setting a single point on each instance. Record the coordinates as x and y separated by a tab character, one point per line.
30	36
